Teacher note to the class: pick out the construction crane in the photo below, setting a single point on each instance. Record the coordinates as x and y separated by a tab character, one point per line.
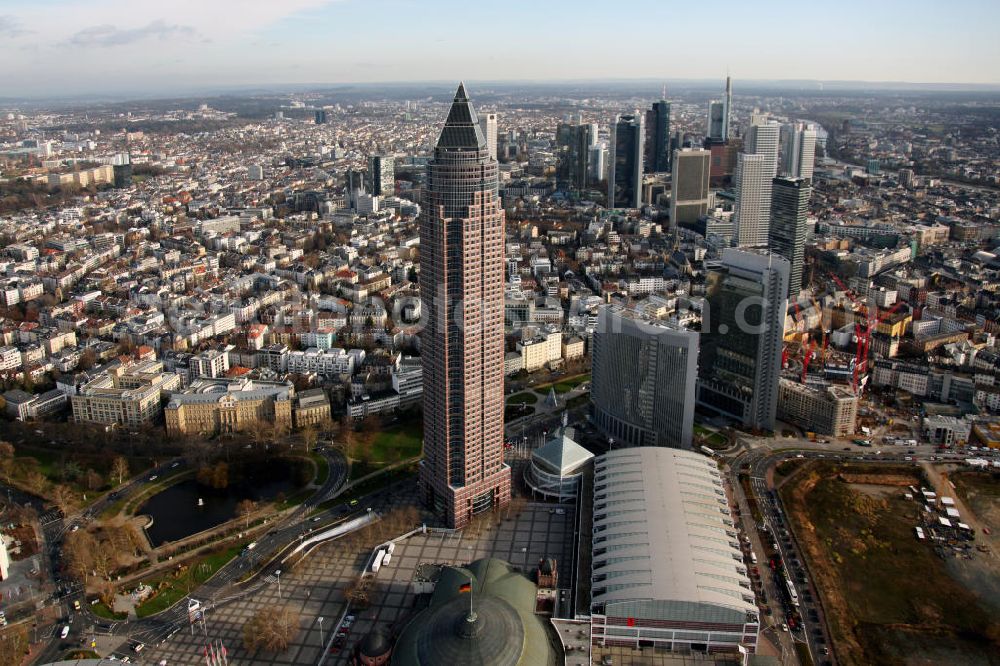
806	357
863	329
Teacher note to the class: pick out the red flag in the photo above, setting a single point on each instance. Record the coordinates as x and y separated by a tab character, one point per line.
630	621
465	587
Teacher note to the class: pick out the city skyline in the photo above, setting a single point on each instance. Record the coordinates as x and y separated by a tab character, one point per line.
64	47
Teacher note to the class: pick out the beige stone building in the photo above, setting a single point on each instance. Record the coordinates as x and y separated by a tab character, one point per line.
212	406
827	410
312	407
124	396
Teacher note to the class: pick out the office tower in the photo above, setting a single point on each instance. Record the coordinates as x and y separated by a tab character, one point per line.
255	172
754	170
122	166
727	114
625	177
720	112
573	146
753	200
644	374
905	177
382	175
742	335
598	163
657	148
789	209
798	150
488	124
320	117
763	138
689	185
354	187
716	120
462	343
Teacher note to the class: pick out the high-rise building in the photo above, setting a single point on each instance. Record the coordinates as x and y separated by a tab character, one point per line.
644	373
354	187
716	120
573	147
122	166
789	210
488	123
763	138
727	116
720	113
320	117
905	177
657	149
753	195
625	177
754	171
689	185
382	175
742	336
798	150
598	163
462	343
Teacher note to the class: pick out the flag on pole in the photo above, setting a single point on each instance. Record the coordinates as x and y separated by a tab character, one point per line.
465	587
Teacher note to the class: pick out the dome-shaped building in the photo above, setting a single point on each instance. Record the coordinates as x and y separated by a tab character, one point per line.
374	649
480	615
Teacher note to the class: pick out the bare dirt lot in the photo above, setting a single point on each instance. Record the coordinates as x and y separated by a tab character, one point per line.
889	598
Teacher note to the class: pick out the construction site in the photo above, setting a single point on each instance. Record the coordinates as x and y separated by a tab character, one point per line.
892	597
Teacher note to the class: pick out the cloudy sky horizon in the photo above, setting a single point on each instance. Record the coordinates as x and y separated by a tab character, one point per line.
72	47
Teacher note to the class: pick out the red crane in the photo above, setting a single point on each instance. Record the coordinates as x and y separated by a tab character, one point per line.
810	348
870	319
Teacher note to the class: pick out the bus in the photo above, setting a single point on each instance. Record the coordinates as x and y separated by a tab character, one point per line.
791	592
708	452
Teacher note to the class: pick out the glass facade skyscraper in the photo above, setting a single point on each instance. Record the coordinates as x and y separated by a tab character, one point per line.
741	337
625	178
573	145
658	137
789	210
643	384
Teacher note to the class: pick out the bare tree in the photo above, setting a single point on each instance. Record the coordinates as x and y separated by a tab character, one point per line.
64	498
309	436
271	629
78	552
245	509
6	459
36	482
119	469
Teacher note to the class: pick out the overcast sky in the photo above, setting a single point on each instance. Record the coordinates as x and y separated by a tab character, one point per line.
76	46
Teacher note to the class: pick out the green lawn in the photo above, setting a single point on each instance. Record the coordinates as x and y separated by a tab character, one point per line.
398	443
712	437
523	398
564	385
101	610
322	468
178	586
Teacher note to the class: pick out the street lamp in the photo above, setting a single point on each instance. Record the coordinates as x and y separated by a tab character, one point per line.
277	574
321	641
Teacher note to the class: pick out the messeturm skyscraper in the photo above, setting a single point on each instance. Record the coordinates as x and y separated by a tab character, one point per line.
462	343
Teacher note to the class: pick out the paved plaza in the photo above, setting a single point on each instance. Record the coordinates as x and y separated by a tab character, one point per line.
316	588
